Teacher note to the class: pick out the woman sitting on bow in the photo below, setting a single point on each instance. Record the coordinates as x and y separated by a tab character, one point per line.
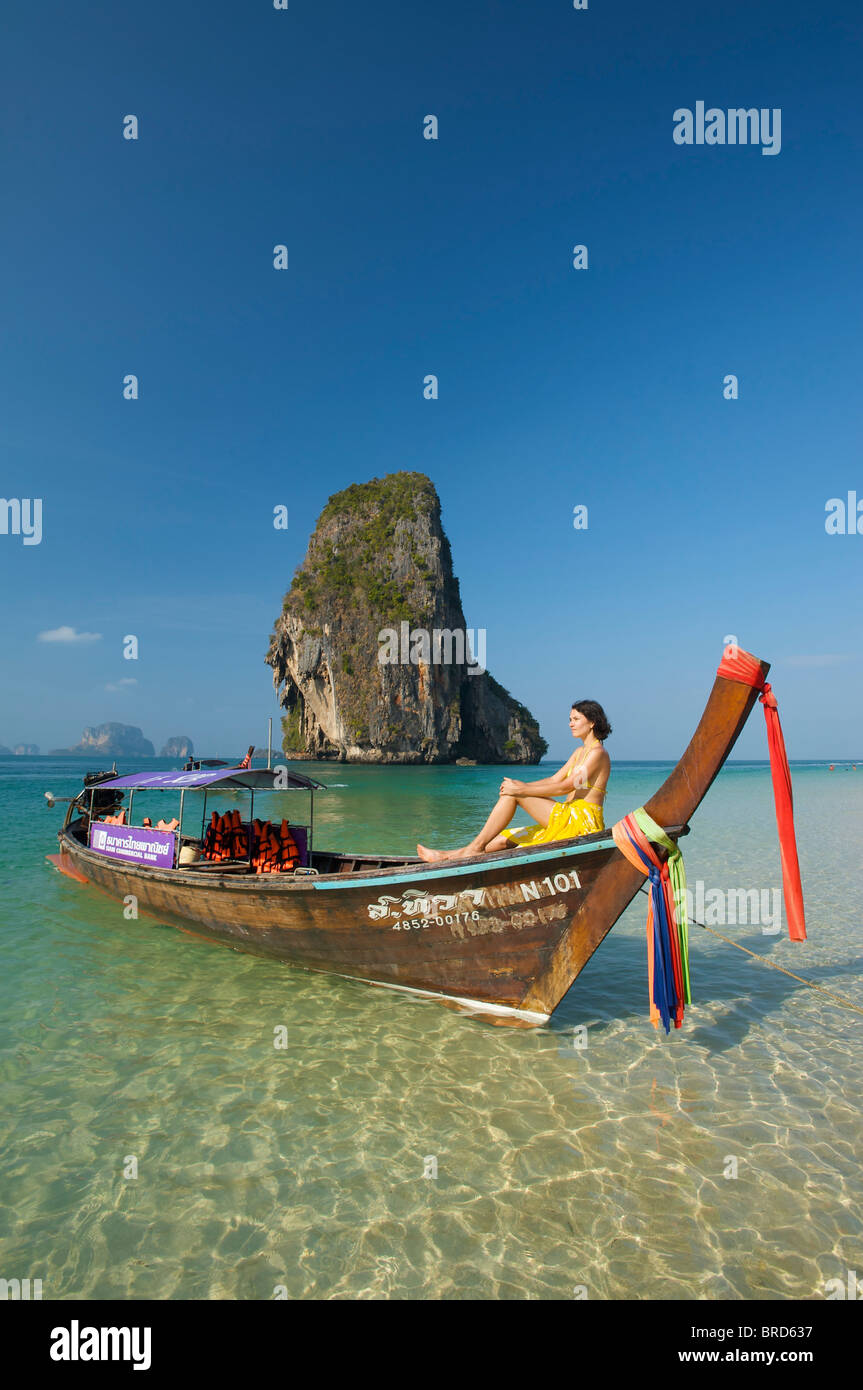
582	781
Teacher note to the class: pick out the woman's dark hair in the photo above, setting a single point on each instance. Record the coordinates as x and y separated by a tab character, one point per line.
597	716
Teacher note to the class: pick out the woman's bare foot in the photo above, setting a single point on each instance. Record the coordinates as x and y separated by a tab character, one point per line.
431	856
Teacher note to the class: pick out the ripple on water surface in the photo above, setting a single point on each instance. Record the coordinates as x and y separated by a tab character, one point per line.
609	1166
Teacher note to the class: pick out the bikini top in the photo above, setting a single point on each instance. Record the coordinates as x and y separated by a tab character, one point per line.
572	764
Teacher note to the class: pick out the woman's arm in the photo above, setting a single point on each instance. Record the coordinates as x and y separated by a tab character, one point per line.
569	779
557	785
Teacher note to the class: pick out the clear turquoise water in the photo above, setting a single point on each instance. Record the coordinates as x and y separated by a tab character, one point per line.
556	1167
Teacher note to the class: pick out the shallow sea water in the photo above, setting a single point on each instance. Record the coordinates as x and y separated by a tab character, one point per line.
603	1167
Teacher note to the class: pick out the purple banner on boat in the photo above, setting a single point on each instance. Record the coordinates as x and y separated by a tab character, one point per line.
134	844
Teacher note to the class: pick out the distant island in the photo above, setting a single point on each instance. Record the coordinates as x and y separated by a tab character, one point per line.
178	747
110	741
113	740
370	654
21	750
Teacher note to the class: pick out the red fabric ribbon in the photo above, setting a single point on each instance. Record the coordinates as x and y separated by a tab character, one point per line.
737	665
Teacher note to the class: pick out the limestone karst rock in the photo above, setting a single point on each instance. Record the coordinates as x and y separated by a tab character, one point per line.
379	562
178	746
112	740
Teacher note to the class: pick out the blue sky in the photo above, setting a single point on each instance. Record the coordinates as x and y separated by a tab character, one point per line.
453	257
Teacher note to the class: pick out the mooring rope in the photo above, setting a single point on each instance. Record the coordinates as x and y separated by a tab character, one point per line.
831	994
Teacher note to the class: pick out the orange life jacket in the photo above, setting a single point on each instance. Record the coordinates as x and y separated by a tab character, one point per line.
289	857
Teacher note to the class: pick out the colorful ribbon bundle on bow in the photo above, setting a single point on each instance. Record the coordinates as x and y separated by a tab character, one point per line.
667	924
737	665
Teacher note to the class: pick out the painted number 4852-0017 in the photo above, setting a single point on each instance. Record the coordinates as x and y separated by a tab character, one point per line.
419	922
548	886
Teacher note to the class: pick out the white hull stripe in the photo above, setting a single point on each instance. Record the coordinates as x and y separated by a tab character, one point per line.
478	1005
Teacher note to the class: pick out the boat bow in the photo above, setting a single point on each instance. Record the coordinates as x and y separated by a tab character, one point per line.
728	707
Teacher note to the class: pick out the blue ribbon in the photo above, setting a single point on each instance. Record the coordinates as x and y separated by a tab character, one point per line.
664	988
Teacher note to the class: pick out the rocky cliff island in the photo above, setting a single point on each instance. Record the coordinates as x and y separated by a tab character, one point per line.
371	655
111	740
178	746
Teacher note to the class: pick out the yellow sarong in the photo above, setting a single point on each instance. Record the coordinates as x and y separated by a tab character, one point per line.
565	822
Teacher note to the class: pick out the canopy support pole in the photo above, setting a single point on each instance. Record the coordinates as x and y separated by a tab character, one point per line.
180	827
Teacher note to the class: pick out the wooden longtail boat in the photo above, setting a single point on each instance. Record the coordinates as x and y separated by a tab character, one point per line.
501	935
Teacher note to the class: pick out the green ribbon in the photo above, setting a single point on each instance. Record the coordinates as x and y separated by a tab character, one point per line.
677	879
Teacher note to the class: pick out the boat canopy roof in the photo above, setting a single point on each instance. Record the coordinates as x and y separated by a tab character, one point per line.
230	778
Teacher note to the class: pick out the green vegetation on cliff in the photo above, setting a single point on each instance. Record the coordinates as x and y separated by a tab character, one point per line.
531	726
292	732
332	577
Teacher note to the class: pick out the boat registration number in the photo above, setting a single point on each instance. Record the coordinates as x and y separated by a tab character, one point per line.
450	919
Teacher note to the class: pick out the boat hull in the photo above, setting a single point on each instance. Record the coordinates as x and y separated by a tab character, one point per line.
479	931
